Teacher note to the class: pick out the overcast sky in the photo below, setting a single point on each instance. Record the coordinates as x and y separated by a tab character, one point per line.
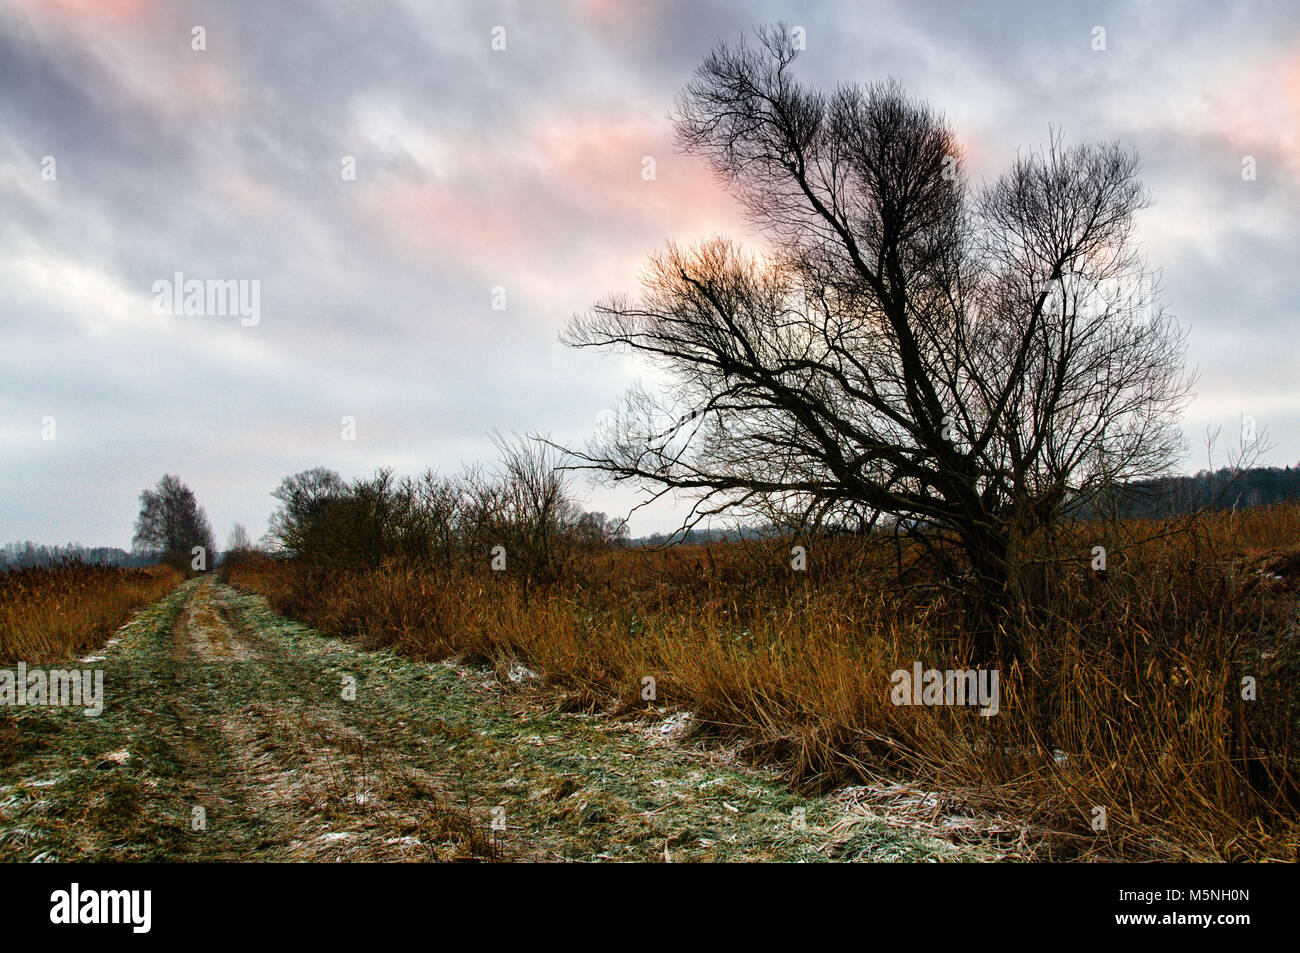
521	169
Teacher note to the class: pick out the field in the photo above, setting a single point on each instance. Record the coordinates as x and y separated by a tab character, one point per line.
48	615
706	702
226	736
1127	696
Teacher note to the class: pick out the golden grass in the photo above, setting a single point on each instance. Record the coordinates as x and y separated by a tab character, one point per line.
1134	679
52	614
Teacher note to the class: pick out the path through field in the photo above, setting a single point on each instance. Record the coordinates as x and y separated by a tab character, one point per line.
226	736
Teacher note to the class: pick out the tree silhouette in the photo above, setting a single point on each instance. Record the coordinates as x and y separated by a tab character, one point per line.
171	524
969	361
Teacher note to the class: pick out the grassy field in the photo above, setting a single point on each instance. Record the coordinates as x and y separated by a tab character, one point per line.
1127	695
227	735
697	703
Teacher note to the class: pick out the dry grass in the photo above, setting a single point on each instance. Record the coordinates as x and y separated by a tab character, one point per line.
52	614
1126	694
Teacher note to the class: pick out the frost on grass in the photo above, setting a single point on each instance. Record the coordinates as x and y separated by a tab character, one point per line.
672	728
414	768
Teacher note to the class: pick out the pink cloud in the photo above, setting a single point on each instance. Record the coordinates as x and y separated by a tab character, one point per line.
597	165
1263	111
119	10
447	217
580	175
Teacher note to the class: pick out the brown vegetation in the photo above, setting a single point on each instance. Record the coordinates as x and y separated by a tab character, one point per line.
1127	693
51	614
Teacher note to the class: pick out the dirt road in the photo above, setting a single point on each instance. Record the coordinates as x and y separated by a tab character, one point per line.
231	733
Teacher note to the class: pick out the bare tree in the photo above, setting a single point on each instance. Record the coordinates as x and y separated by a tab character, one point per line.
171	524
302	497
969	361
535	514
238	541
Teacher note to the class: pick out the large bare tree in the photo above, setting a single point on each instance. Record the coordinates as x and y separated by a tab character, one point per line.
967	360
171	523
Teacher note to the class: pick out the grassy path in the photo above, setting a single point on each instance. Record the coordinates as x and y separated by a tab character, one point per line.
226	735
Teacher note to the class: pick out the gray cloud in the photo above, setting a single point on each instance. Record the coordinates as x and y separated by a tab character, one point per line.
519	169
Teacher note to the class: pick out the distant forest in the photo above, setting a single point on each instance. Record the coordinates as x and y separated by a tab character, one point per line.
27	554
1223	489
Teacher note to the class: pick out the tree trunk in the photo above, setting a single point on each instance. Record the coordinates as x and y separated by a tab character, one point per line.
991	595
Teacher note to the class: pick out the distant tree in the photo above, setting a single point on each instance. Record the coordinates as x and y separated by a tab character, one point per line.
239	548
238	540
598	531
523	505
171	523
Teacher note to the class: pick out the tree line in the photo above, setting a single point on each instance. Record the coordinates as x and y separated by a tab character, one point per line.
394	508
519	515
27	554
1227	488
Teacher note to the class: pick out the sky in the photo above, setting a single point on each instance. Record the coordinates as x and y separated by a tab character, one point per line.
424	193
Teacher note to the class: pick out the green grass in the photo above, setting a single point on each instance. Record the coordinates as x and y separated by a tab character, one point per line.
213	700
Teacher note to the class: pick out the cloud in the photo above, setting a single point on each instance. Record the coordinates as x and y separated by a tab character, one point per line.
520	169
100	10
